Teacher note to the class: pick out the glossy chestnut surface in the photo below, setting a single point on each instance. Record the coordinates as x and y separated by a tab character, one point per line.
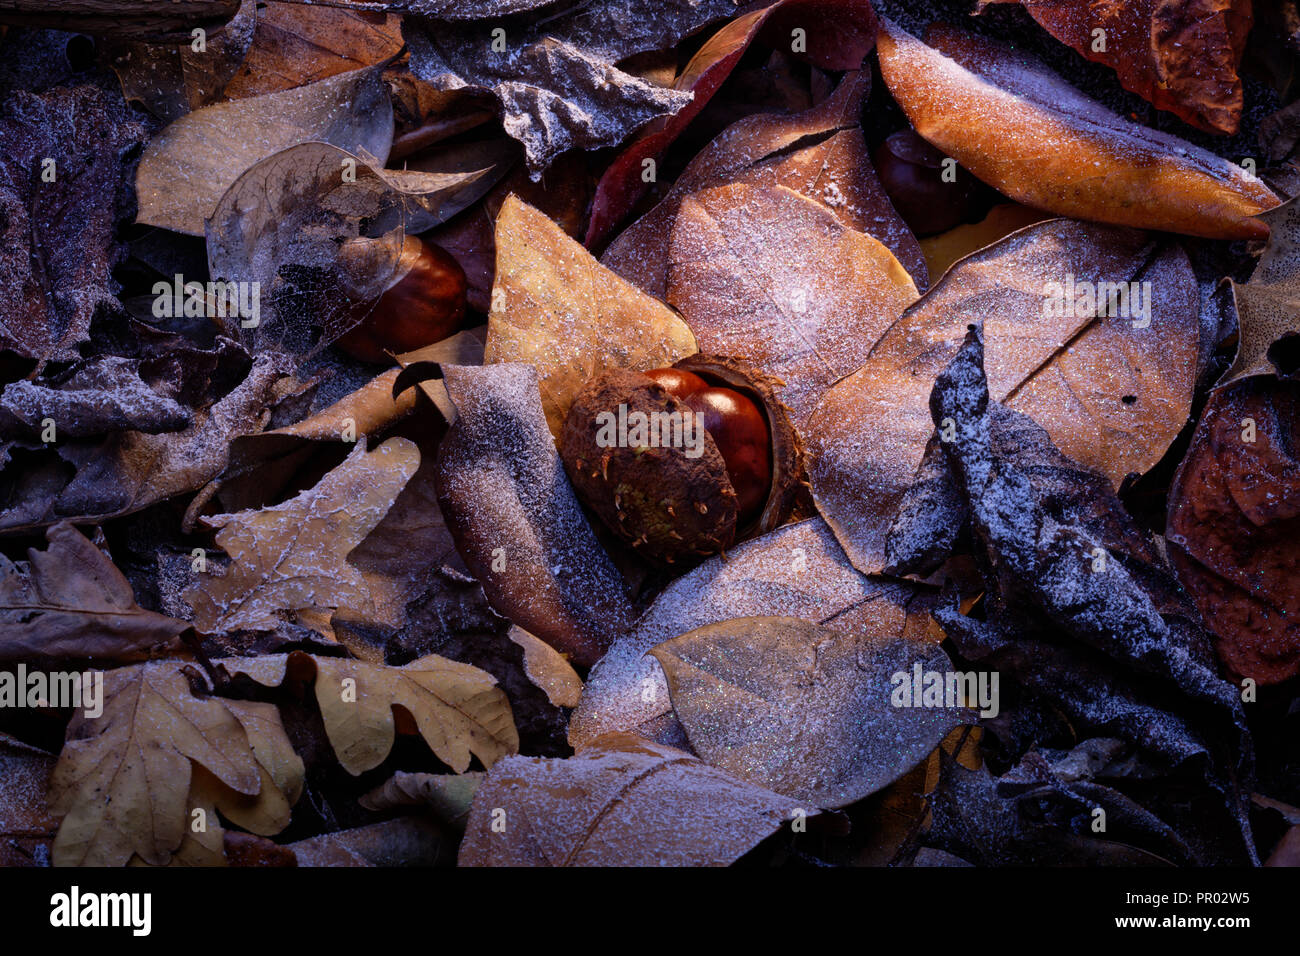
425	304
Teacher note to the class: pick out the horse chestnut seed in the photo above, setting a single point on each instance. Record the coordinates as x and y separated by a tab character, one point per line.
930	199
736	426
424	304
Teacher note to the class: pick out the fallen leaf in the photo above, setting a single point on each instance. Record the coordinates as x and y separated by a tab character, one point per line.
65	185
406	841
515	519
1034	138
554	75
547	668
776	280
1182	57
448	797
623	801
211	148
1269	304
457	709
558	309
1233	525
843	34
1074	374
821	154
102	396
26	827
292	558
294	45
804	710
798	571
123	779
946	249
70	602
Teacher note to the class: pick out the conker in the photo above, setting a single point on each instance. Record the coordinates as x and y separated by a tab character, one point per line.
424	304
675	502
912	172
737	427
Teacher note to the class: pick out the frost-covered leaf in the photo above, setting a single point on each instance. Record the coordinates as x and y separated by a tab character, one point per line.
558	309
623	801
802	709
291	559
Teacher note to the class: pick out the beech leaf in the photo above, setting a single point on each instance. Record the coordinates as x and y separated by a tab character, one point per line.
210	149
70	601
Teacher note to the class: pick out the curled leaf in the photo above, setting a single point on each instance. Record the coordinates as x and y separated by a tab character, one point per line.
1033	137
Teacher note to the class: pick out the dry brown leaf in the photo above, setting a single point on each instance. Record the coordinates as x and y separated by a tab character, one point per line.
1033	137
71	601
547	668
406	841
776	280
1112	396
292	558
26	827
294	45
517	523
624	801
801	709
122	783
1269	304
798	570
447	796
210	148
821	154
1182	57
945	250
554	306
457	709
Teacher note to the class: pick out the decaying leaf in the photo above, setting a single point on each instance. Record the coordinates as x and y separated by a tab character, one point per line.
406	841
843	34
123	779
1036	139
821	154
516	521
64	185
1269	304
554	75
804	710
26	827
292	558
1084	616
623	801
776	280
70	601
1182	57
548	669
796	571
1233	524
457	709
210	149
555	307
293	45
448	797
1112	383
